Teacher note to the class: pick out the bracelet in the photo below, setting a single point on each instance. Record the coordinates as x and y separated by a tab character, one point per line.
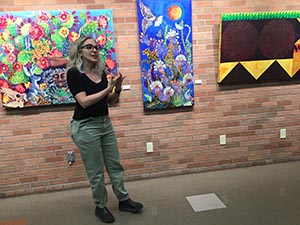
118	91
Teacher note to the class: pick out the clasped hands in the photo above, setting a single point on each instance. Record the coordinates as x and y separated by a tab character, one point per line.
116	81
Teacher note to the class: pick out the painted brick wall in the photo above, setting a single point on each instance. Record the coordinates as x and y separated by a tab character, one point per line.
34	141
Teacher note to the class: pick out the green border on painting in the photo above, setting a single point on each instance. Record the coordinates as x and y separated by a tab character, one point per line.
260	15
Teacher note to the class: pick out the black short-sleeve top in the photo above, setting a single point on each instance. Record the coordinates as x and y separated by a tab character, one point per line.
78	82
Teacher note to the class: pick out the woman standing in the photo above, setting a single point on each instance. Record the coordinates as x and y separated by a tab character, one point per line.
91	127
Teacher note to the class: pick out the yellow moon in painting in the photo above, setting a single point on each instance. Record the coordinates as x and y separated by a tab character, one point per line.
174	12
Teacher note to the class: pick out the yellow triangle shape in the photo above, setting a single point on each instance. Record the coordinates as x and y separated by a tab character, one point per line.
257	68
296	58
287	65
224	69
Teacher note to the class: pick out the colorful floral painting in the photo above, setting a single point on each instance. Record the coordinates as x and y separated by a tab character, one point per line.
165	36
34	51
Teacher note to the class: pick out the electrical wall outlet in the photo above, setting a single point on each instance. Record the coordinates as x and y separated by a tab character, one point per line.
71	157
149	146
282	133
223	139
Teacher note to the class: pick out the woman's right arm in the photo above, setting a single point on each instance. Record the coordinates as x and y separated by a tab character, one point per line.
88	100
78	90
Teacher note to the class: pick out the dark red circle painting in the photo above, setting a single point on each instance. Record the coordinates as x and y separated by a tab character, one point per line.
277	39
239	41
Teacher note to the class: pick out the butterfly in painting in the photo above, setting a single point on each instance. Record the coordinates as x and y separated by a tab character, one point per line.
149	18
151	55
159	34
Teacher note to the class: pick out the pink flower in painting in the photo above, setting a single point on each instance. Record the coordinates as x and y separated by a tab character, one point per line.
102	22
64	17
17	66
36	32
73	36
43	16
3	22
101	40
3	68
7	47
3	83
64	32
20	88
56	53
110	63
11	57
43	62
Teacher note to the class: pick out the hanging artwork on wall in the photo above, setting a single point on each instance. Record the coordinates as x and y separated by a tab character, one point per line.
34	51
259	47
165	35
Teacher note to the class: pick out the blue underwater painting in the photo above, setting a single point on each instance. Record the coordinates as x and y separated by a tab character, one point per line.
165	35
34	49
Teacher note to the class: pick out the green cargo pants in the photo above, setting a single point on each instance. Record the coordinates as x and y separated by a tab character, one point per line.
97	142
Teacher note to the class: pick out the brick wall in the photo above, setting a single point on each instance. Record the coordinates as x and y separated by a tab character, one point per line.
34	141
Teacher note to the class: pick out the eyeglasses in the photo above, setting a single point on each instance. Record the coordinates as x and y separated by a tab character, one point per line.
91	47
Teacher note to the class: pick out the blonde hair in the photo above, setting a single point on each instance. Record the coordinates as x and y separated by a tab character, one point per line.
75	58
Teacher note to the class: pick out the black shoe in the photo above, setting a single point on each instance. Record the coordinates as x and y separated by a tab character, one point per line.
130	206
104	215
